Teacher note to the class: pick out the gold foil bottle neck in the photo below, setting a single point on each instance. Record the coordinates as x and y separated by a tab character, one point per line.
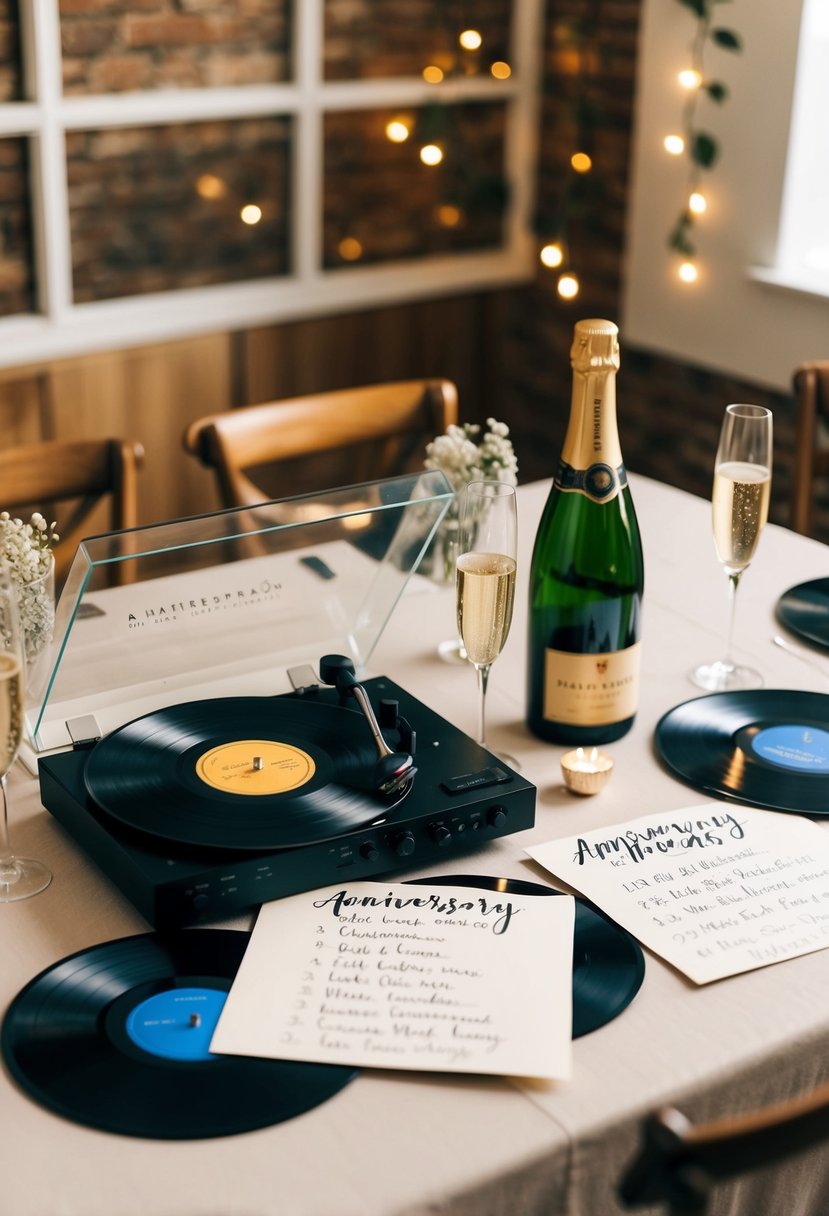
595	346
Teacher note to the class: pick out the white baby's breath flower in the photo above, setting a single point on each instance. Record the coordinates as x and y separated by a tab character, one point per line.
465	455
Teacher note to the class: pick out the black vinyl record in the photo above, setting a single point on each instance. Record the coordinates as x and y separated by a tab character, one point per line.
767	747
186	774
804	610
608	964
115	1037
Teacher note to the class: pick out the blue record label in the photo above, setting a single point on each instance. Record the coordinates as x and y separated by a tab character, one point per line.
178	1023
804	749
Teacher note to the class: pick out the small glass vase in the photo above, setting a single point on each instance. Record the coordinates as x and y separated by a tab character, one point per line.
36	608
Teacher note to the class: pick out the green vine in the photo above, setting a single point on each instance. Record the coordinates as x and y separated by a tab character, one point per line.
701	148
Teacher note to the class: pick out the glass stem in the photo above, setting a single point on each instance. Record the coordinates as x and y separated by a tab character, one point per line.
483	679
733	581
7	860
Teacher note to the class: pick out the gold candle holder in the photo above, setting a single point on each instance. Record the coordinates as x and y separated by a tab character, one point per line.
585	771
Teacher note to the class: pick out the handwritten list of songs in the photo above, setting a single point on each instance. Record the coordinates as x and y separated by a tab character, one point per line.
452	979
715	891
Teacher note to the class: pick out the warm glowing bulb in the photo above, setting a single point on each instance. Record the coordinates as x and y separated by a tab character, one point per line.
697	203
397	131
470	40
688	272
690	78
552	255
581	162
431	154
674	144
210	186
433	74
500	70
251	214
350	249
568	286
448	215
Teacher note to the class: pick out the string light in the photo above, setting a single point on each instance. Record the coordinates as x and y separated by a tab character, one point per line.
470	40
552	255
350	249
398	130
210	186
579	56
448	215
431	154
432	74
250	214
700	147
500	70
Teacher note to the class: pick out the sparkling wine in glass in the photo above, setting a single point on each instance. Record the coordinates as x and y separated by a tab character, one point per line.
20	877
485	581
740	501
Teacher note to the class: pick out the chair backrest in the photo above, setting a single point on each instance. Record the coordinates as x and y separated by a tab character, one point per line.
381	429
67	480
811	391
678	1162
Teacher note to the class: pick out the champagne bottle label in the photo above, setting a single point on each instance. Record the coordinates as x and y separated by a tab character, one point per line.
591	689
599	482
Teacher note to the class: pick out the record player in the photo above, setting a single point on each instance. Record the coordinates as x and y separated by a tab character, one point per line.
202	724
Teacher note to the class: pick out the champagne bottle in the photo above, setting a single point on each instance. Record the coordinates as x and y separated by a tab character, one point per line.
586	578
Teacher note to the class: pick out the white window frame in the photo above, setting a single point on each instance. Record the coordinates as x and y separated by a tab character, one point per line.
62	328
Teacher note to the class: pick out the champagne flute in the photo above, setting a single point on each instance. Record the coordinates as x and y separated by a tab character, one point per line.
485	580
19	877
742	489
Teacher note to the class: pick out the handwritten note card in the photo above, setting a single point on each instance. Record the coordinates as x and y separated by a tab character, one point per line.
714	891
447	978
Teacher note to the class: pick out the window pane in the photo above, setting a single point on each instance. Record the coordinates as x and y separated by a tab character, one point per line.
17	288
11	82
380	38
160	208
119	45
381	202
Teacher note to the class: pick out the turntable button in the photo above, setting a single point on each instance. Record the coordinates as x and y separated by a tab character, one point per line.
440	834
496	816
369	851
404	843
200	901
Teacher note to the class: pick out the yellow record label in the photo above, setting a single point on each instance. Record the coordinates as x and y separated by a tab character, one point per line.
255	766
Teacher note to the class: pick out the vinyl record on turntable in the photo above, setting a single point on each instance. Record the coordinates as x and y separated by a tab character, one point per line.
766	747
117	1036
240	773
804	610
608	964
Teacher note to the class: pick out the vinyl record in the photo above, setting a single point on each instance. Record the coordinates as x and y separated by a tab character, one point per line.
608	964
805	611
116	1037
767	748
188	774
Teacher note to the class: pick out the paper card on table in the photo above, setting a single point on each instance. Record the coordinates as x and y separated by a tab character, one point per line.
442	978
714	891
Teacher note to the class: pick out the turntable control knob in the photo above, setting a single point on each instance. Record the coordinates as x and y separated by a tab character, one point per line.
369	851
496	816
200	901
404	843
440	834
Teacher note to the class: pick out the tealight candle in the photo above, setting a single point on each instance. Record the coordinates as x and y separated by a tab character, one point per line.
585	772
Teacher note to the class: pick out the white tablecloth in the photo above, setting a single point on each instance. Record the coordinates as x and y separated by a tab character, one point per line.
403	1145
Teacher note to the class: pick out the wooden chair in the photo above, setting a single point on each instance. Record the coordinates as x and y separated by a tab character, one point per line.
678	1162
811	390
82	473
374	432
